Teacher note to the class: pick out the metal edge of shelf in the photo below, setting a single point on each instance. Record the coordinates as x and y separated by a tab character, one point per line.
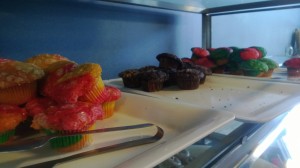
252	7
159	5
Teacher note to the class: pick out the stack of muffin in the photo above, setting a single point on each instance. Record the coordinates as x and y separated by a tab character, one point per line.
56	95
171	71
249	61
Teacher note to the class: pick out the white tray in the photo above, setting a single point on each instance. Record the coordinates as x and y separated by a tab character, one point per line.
250	99
182	123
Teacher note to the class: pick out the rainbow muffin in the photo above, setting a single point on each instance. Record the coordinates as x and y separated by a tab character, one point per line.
66	118
254	68
152	81
10	117
70	84
130	78
44	60
18	82
188	79
108	105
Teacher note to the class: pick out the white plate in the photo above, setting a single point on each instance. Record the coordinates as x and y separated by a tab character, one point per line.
250	99
183	124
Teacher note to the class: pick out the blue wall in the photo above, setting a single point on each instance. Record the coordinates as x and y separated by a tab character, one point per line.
119	37
115	36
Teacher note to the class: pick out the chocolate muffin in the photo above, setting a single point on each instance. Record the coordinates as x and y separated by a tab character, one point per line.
188	79
172	76
153	80
130	78
167	60
148	68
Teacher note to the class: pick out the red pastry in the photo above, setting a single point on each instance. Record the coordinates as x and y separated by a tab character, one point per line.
66	118
249	53
10	117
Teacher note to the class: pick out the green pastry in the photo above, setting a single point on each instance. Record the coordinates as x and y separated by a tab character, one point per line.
254	68
271	63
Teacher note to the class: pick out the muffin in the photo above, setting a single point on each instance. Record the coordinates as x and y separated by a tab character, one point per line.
5	60
220	55
44	60
130	78
188	79
148	68
198	53
167	60
249	54
66	118
254	68
108	105
271	66
293	67
153	80
18	82
82	82
171	80
261	50
10	117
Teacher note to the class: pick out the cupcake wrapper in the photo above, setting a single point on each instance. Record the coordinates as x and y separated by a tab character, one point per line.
131	82
188	84
293	72
4	137
18	95
108	109
70	143
152	86
97	94
268	73
253	73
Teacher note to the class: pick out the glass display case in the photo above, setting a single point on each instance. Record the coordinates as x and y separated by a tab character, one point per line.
247	138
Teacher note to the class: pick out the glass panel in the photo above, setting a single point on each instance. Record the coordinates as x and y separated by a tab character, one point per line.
206	151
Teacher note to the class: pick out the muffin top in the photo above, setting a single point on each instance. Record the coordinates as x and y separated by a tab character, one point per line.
44	60
254	65
148	67
80	116
168	60
292	62
13	73
189	73
113	92
38	105
271	63
129	73
5	60
11	116
153	75
92	69
199	52
67	83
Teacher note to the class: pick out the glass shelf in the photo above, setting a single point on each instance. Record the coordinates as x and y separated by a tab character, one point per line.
201	6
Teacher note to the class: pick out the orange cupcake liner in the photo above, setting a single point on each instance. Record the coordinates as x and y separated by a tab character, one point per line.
18	95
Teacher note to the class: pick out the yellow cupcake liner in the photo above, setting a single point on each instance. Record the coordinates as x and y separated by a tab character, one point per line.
108	109
97	94
18	95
